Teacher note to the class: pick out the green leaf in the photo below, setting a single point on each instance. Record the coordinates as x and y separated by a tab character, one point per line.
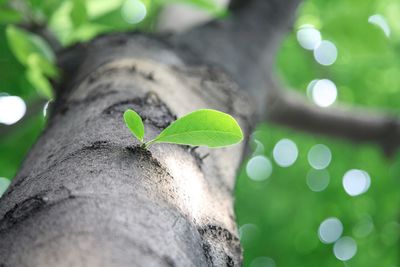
40	83
204	127
135	124
36	61
79	14
23	44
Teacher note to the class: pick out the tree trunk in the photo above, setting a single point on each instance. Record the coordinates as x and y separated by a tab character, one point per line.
88	195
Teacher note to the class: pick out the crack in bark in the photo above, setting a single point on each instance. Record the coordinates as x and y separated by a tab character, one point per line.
211	233
33	205
149	107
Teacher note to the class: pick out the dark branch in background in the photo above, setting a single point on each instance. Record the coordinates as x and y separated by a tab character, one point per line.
235	5
246	44
288	108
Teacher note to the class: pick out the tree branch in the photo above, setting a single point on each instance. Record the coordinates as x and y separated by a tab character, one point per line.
286	107
245	43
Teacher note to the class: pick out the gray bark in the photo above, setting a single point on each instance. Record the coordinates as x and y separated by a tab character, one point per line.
88	195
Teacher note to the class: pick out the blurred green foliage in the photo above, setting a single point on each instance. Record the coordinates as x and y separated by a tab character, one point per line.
279	217
285	212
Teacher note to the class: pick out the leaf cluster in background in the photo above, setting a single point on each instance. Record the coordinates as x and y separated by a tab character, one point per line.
37	57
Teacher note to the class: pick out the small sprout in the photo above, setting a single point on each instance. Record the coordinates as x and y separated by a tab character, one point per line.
203	127
134	123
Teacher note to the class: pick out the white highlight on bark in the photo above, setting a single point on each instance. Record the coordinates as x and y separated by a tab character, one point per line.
12	109
345	248
133	11
318	180
192	190
330	230
259	168
325	53
319	156
308	36
381	22
356	182
285	153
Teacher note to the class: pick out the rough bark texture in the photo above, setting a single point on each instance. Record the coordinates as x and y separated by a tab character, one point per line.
88	195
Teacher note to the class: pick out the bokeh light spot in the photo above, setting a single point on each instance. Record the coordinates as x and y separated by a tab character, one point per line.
308	37
345	248
133	11
324	93
248	233
12	109
285	152
318	180
364	227
259	168
310	87
325	53
330	230
356	182
381	22
319	156
258	148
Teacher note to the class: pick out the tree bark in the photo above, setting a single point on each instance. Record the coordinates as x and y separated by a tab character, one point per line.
88	195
